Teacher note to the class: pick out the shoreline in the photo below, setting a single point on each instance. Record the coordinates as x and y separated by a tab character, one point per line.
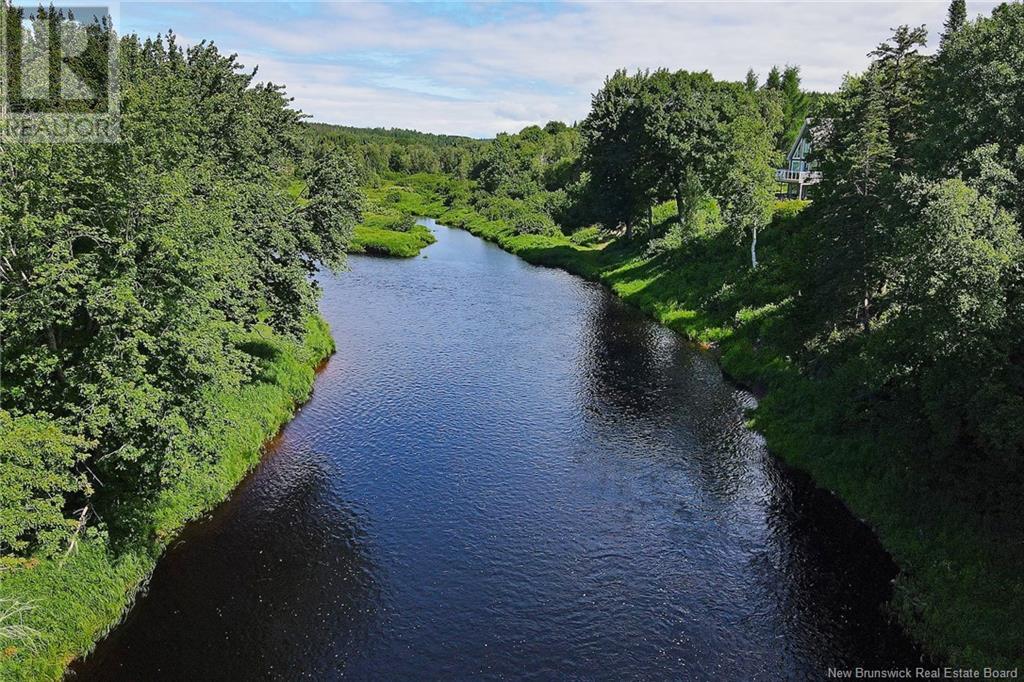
77	599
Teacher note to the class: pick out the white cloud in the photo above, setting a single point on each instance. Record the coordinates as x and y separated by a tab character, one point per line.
392	64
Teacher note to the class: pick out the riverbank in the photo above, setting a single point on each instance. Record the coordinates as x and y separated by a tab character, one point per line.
387	228
69	602
390	243
960	591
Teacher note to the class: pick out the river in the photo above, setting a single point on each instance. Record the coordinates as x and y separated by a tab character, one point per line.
506	472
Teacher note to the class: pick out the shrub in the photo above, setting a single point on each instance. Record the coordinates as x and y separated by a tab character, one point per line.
401	223
454	192
586	236
534	222
787	209
37	474
705	222
501	208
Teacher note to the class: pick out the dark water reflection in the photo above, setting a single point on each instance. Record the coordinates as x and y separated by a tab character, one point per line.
505	472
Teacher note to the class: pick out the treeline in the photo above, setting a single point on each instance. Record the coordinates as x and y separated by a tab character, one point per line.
380	151
137	280
710	146
910	268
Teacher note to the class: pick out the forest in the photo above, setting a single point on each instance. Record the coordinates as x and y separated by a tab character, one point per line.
160	303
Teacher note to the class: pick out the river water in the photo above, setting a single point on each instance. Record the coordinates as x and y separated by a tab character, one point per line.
506	472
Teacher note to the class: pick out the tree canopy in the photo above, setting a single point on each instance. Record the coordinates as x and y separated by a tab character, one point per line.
132	273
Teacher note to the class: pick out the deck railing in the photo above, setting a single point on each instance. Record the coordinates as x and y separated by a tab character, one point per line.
797	177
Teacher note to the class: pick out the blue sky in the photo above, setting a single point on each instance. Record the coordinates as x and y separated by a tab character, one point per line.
480	68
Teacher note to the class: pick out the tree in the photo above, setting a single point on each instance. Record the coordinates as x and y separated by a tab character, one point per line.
974	99
796	106
130	272
747	193
38	476
333	206
613	149
850	260
954	332
750	82
902	71
795	103
681	137
955	19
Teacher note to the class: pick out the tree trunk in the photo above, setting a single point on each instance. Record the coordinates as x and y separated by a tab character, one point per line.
650	216
865	319
51	341
680	211
753	249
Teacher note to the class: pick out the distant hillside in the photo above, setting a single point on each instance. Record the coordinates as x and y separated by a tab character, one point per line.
353	135
395	150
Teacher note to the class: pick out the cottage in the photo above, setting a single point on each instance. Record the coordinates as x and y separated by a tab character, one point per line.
799	172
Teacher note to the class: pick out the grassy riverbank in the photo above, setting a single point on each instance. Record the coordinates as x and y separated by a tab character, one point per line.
388	227
960	592
384	242
68	602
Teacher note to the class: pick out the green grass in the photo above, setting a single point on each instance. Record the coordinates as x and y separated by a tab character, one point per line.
383	242
960	592
386	207
72	601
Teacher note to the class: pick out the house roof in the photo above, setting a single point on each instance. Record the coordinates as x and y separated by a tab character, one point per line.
804	132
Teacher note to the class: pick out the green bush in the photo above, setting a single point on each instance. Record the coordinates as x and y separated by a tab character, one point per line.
586	236
787	209
64	603
401	223
37	475
705	223
391	242
534	222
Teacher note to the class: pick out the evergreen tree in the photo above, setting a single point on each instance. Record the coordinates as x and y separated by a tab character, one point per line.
751	81
903	74
795	107
955	19
849	261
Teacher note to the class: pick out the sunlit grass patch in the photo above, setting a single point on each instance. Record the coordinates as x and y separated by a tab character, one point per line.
382	242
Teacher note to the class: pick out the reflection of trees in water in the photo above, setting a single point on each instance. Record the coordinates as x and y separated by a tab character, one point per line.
836	575
275	584
644	378
822	570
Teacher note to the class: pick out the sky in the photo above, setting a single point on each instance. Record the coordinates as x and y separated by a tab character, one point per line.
482	68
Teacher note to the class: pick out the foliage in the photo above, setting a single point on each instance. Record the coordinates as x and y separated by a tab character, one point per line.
795	102
379	152
141	283
587	236
67	602
37	473
154	292
683	136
